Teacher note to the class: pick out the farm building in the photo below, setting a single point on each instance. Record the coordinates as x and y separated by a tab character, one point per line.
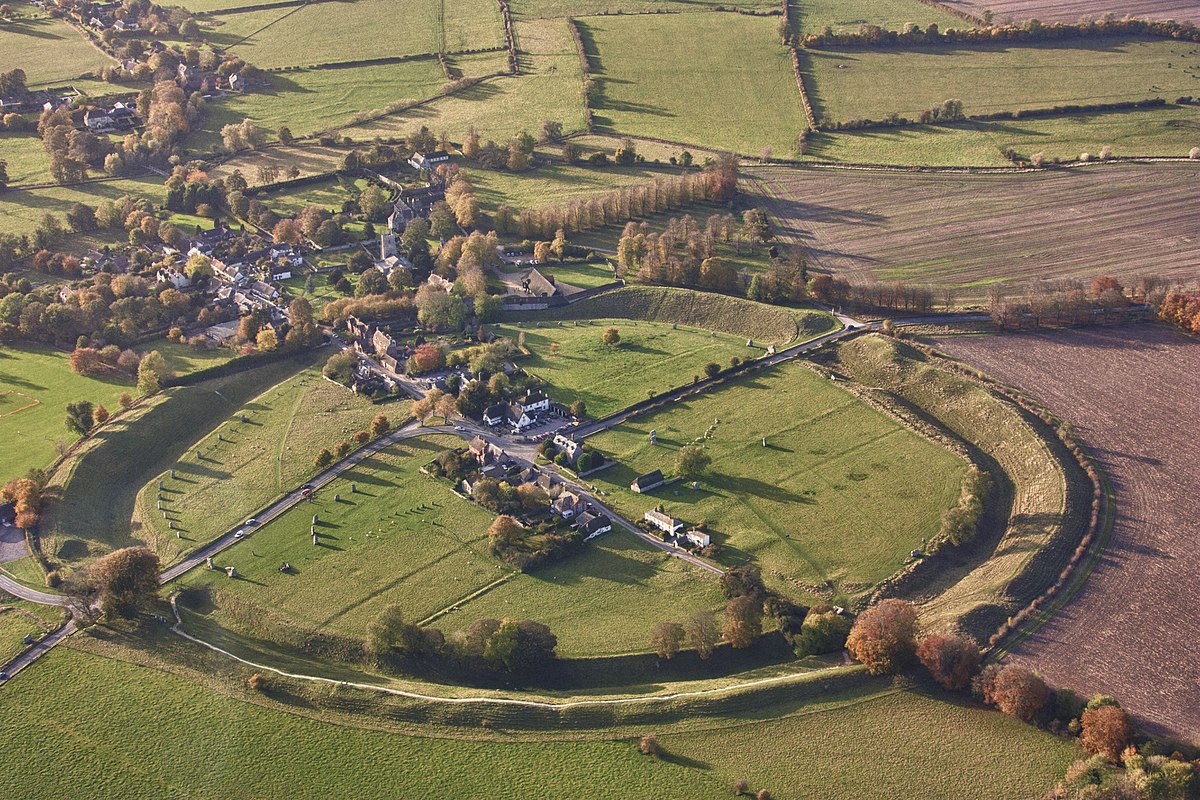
664	522
647	482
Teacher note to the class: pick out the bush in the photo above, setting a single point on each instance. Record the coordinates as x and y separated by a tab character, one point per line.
1014	689
821	633
884	637
649	745
951	660
1106	731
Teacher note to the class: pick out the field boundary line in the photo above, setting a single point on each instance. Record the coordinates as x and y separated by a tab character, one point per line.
251	35
435	616
177	628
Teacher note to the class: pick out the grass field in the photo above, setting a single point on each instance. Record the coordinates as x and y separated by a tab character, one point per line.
248	463
294	36
691	91
554	184
50	51
1022	550
18	619
602	601
309	159
652	357
852	84
524	9
183	359
1071	11
101	482
812	16
549	87
831	506
330	193
584	276
312	100
21	209
740	318
26	158
376	550
972	231
35	387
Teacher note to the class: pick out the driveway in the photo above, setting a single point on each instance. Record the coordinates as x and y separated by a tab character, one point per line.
12	544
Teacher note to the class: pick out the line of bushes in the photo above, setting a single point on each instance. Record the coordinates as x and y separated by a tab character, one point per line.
1031	31
809	114
510	38
936	115
590	87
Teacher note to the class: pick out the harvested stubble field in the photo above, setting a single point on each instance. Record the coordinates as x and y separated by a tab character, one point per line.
303	35
828	508
1075	10
854	84
653	356
971	231
691	91
1131	395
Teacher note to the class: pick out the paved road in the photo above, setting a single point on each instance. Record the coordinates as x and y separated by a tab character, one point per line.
32	595
37	651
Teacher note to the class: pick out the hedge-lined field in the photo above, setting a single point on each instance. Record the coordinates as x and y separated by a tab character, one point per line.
549	87
523	9
829	507
26	158
812	16
51	52
553	184
21	209
652	357
710	75
854	84
310	159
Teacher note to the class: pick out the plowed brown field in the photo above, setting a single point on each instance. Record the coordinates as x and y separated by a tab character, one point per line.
969	231
1133	395
1074	10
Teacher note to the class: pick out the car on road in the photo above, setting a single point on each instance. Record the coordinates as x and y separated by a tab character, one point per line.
239	534
252	521
3	676
459	428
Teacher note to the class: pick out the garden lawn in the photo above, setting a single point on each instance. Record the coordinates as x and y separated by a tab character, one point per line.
305	35
141	733
321	293
403	538
259	453
35	387
51	52
603	600
853	84
812	16
26	158
829	507
692	90
549	87
309	159
652	357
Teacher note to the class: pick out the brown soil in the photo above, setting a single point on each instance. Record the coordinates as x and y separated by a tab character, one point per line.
1133	395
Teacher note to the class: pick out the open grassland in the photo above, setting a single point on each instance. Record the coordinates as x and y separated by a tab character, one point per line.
301	36
763	323
1169	131
256	455
18	619
1130	395
532	9
51	52
652	357
21	209
971	231
312	100
131	723
1026	535
26	158
35	387
101	482
819	754
602	601
853	84
813	16
829	507
1073	10
402	538
692	91
549	87
554	184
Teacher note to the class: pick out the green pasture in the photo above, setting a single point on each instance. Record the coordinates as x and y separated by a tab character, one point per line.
51	52
257	454
533	9
652	357
329	193
26	158
813	16
852	84
183	359
829	507
20	618
554	184
22	209
582	275
692	90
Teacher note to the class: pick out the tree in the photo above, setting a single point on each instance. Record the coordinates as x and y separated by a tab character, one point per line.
951	660
100	415
374	203
703	635
667	638
152	370
552	132
691	461
1014	689
324	458
743	581
504	532
612	337
518	159
579	409
649	745
380	425
520	646
1106	731
340	368
743	621
198	266
823	632
884	636
267	340
125	580
80	417
626	154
